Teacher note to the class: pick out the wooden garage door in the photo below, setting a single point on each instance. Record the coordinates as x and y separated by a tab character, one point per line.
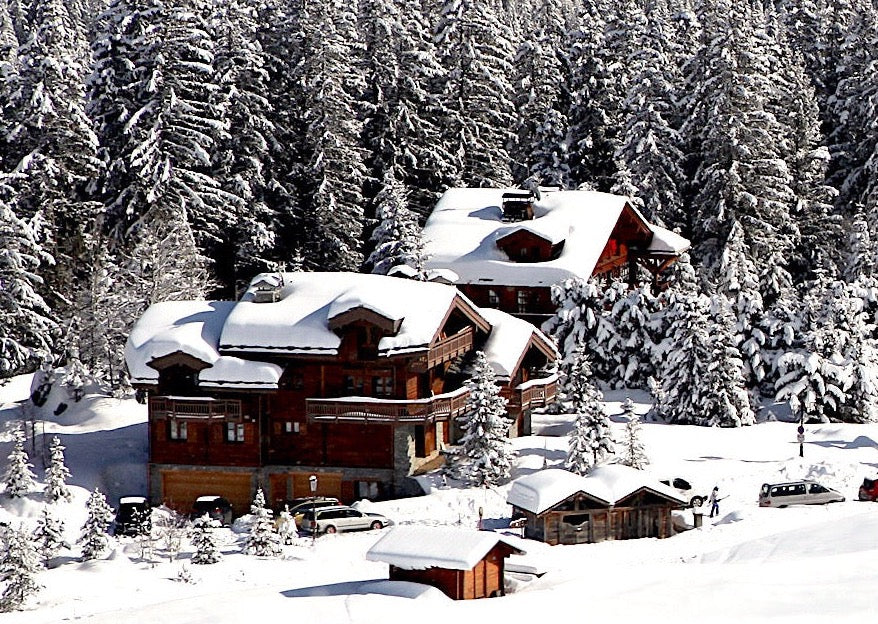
328	484
180	488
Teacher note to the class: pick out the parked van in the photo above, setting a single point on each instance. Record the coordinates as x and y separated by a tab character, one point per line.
797	493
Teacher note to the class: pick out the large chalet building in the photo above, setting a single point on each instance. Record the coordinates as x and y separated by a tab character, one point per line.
505	248
354	378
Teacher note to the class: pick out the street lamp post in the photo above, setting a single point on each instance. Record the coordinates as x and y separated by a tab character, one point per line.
801	436
312	481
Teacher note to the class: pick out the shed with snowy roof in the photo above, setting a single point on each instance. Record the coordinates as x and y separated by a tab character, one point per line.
463	564
612	502
508	247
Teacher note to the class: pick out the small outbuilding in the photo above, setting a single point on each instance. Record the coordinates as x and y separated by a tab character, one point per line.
463	564
613	502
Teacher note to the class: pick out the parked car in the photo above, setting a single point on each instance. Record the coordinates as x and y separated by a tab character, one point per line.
869	490
298	506
216	507
340	518
696	495
797	493
132	516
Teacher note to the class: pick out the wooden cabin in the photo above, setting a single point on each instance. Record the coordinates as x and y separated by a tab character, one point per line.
613	502
462	564
354	378
507	247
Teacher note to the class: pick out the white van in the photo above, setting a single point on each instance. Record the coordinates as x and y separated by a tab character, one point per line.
797	493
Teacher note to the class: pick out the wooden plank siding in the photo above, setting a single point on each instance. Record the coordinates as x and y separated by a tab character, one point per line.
484	580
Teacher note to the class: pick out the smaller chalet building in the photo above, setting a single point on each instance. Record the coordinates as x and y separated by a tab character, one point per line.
354	378
507	247
612	502
463	564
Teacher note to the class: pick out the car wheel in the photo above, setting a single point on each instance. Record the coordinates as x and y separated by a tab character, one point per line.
697	501
376	525
330	529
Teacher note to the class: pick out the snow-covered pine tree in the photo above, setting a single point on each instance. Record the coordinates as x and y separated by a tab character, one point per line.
286	527
702	372
56	474
485	455
631	317
263	540
49	535
94	537
204	541
19	478
18	569
474	41
591	440
633	450
397	237
27	326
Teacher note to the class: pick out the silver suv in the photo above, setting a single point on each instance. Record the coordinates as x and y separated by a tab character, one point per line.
797	493
341	518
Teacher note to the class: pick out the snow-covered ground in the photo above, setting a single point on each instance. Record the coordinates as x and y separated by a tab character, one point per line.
801	564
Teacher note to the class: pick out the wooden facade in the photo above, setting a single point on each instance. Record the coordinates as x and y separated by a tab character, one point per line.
581	519
362	422
484	580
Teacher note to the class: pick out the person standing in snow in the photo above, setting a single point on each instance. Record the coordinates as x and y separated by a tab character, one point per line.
714	502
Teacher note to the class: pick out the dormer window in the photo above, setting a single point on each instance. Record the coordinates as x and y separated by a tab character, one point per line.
518	206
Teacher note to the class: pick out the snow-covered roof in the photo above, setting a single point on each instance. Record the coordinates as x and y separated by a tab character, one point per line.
132	500
298	323
233	372
188	327
463	229
419	548
509	341
608	484
667	242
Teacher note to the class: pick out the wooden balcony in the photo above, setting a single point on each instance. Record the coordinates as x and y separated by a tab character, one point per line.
536	392
194	408
441	407
449	348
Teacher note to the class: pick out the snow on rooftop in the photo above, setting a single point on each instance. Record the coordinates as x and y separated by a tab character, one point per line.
190	327
229	371
509	341
463	229
666	241
298	322
609	484
419	548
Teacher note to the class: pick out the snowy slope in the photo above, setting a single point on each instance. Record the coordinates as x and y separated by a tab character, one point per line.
801	564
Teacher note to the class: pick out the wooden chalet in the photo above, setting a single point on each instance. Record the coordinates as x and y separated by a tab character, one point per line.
613	502
462	564
353	378
508	247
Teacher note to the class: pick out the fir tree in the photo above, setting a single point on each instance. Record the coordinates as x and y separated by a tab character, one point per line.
19	479
633	451
204	540
286	527
94	537
485	454
49	536
263	540
56	474
397	237
591	441
18	569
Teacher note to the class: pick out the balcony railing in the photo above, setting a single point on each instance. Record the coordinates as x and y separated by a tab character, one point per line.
441	407
537	392
450	347
171	407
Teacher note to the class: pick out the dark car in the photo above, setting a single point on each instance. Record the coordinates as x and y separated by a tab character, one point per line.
133	516
216	507
869	490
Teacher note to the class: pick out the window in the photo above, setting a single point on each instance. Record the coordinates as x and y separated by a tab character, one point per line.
234	432
367	490
523	299
291	427
420	441
382	386
177	430
353	385
493	298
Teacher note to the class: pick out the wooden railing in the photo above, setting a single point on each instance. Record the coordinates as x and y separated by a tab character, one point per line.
167	407
450	347
537	392
441	407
